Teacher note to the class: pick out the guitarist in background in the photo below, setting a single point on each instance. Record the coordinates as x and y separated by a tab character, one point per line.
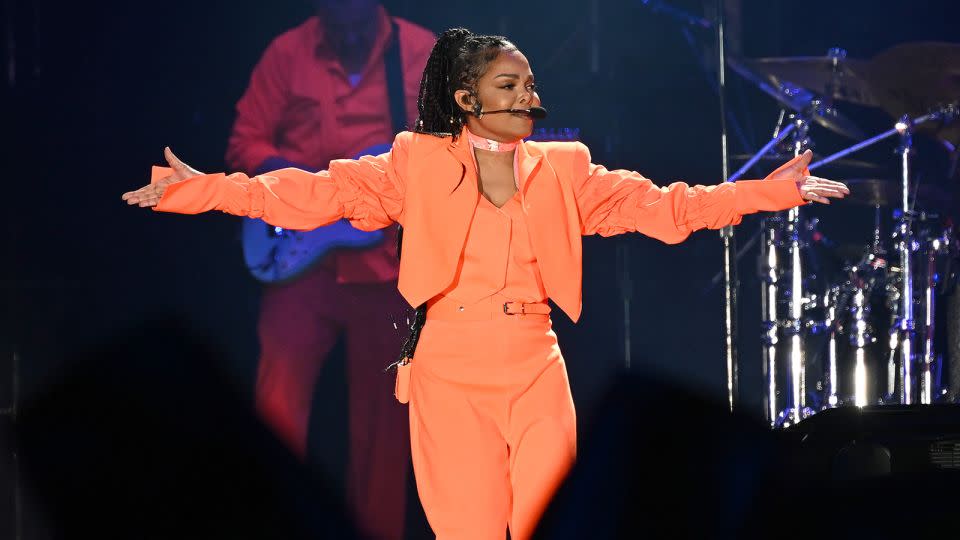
322	91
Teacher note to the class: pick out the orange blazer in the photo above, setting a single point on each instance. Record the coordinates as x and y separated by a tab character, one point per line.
429	185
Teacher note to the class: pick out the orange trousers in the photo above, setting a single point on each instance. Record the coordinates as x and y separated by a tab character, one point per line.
492	424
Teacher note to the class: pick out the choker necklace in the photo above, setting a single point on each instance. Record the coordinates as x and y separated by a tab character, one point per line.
486	144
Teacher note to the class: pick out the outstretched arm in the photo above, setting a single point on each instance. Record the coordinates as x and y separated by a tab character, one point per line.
615	202
368	192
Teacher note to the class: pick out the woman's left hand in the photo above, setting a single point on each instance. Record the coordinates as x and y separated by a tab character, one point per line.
811	188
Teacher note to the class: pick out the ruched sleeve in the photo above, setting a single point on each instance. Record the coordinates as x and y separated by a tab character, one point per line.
619	201
369	192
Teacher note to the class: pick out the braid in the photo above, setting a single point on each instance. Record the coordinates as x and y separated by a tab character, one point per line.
457	61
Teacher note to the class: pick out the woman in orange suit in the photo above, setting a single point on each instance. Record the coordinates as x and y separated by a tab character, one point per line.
492	228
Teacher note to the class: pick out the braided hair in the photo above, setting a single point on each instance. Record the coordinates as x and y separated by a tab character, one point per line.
458	60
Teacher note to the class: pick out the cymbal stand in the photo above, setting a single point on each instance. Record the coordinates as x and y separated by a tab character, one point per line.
782	231
902	383
769	279
905	245
770	282
831	323
941	114
931	279
796	408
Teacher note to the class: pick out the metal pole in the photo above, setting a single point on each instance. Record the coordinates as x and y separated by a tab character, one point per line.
907	324
769	279
626	293
730	279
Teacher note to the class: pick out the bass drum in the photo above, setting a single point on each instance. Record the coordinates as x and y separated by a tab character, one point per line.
863	364
856	358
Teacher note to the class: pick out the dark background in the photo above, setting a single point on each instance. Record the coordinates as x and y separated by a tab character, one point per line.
99	88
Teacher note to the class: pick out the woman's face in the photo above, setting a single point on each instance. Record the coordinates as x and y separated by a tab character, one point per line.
507	84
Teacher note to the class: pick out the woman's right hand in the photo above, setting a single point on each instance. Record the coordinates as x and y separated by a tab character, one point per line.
150	194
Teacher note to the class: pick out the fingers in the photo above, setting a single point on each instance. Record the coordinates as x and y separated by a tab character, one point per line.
821	195
804	160
145	196
822	190
144	200
823	182
810	195
173	160
819	189
827	191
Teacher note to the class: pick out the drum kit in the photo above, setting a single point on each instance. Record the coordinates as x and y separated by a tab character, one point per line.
870	332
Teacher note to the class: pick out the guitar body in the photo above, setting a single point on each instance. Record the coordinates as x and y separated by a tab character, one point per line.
275	255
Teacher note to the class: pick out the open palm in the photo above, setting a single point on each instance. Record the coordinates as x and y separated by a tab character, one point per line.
812	188
150	194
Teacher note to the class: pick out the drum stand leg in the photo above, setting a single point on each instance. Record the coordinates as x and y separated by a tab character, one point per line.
901	383
768	299
930	389
832	388
906	325
860	339
796	408
769	279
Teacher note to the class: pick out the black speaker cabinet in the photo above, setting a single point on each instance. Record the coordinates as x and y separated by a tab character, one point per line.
875	441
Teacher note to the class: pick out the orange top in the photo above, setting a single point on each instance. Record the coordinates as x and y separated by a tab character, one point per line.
497	257
430	186
301	106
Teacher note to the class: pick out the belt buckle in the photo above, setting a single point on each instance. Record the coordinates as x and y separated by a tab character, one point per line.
523	308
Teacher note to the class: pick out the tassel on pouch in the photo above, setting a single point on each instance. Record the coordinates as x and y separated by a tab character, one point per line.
401	388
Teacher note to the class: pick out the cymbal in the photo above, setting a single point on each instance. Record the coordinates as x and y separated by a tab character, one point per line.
880	192
798	99
838	78
914	78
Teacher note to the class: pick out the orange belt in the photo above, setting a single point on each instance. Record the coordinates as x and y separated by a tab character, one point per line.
492	307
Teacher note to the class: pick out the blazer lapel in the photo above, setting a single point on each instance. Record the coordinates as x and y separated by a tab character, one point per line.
527	164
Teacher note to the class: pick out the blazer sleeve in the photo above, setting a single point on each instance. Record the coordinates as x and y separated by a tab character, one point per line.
369	192
619	201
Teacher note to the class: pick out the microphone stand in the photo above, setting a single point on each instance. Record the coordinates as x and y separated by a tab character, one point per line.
730	279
